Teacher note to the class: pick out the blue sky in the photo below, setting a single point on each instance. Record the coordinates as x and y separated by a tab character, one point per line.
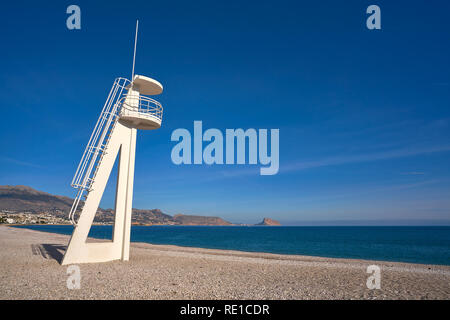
364	115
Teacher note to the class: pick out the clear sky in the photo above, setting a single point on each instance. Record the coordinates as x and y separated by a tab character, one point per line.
364	115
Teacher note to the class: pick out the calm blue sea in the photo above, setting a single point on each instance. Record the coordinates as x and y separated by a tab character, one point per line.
429	245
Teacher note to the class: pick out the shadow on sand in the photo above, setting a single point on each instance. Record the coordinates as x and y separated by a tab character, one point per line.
49	251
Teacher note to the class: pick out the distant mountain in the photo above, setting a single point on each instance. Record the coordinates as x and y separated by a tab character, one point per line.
23	199
200	220
268	222
139	217
154	216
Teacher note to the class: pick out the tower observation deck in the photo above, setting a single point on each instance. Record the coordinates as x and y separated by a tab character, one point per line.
137	109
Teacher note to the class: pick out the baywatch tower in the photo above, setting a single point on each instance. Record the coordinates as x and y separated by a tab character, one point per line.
127	108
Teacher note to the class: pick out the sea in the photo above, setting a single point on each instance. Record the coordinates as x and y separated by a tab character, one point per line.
425	245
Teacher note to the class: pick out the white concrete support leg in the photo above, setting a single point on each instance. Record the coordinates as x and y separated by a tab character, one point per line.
129	197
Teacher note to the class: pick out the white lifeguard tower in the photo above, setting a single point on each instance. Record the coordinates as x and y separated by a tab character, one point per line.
126	109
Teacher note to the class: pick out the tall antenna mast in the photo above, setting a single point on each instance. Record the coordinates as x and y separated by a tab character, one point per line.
134	55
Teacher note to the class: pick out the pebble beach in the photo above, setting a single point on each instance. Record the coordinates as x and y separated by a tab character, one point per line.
30	269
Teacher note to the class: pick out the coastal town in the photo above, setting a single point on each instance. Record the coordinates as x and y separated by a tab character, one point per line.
12	217
24	205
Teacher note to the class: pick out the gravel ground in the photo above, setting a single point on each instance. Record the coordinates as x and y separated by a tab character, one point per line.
29	269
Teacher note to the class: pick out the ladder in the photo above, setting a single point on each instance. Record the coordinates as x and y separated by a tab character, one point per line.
98	143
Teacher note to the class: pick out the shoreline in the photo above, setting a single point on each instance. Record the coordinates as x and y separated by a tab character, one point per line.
237	250
30	270
267	255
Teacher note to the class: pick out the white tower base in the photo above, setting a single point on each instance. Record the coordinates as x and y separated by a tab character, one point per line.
123	140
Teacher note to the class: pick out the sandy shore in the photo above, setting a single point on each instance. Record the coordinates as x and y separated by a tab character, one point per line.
29	269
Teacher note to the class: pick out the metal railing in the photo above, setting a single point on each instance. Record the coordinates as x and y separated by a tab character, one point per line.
141	104
117	104
93	154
